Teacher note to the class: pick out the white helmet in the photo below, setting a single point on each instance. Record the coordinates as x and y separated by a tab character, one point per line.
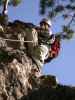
46	21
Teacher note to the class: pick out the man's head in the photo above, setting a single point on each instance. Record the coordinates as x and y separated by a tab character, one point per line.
45	24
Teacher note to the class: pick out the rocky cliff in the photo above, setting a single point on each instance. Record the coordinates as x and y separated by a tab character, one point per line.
20	78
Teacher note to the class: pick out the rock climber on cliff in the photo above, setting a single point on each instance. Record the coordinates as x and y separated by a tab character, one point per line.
44	32
45	46
41	50
49	42
38	49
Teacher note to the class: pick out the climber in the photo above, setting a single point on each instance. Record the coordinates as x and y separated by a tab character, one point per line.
41	50
45	24
50	43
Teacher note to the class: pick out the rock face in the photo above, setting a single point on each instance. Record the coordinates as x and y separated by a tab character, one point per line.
16	67
14	78
20	78
59	93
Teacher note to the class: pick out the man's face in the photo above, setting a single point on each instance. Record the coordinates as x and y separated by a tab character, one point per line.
45	26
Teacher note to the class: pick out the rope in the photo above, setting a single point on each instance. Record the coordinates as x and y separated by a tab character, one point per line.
16	40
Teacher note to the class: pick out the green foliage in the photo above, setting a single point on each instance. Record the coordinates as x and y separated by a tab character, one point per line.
43	6
15	2
72	0
59	8
69	32
1	2
50	3
56	5
63	8
71	7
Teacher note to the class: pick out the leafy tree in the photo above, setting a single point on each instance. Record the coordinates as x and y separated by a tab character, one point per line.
63	8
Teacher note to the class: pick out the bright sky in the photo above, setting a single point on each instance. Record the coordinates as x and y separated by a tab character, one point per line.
64	65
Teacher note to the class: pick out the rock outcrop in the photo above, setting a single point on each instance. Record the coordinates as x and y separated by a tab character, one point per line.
16	66
20	78
14	78
45	93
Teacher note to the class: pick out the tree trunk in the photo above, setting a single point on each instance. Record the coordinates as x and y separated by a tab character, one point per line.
5	6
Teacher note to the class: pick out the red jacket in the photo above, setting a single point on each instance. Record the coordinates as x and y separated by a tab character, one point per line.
54	50
55	47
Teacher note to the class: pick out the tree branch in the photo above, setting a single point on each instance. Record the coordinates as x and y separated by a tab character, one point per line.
5	6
